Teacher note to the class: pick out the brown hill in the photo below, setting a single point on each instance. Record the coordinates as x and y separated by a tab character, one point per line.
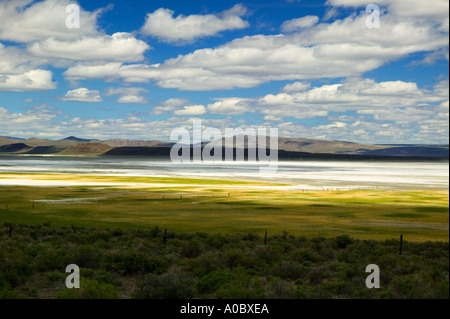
320	146
76	146
121	143
8	140
35	142
308	145
86	149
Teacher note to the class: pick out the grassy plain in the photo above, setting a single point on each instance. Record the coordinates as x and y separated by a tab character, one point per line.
215	206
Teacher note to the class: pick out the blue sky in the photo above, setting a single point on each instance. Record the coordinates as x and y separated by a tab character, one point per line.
312	69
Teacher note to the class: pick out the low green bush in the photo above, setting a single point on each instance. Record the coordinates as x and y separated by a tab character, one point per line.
89	289
127	263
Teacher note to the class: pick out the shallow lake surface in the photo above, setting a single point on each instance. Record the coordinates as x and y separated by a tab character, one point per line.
312	174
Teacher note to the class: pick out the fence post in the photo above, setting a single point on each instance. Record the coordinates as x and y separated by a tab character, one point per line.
401	244
10	230
265	238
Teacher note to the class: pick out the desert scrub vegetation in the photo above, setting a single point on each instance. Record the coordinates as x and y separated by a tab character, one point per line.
136	263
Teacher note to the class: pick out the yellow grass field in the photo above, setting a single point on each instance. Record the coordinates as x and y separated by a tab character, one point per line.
197	205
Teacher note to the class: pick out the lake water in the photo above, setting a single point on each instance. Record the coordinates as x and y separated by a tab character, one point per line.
308	174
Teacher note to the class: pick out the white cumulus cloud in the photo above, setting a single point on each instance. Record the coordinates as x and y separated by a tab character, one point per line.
33	80
299	23
128	95
191	110
83	95
117	47
296	87
27	20
234	106
164	26
343	48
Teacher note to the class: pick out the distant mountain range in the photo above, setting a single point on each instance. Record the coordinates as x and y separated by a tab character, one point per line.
76	139
288	148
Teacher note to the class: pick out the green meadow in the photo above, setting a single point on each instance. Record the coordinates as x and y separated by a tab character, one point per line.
216	206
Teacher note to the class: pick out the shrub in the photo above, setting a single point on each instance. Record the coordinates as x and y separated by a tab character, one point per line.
242	286
130	263
155	232
304	292
6	291
99	234
217	241
212	281
251	237
191	249
305	255
89	289
55	276
87	256
234	258
268	254
343	241
167	286
333	289
205	263
281	289
315	276
201	235
117	232
33	263
288	270
8	294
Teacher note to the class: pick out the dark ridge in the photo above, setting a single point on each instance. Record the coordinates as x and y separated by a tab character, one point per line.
45	150
76	139
417	145
11	148
165	152
139	151
298	143
301	155
411	151
14	138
